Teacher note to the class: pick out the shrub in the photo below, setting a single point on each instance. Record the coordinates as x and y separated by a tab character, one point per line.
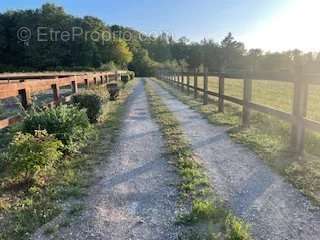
67	123
125	78
132	75
237	229
29	153
91	102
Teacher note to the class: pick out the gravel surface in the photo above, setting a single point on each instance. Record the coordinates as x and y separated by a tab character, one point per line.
136	196
273	207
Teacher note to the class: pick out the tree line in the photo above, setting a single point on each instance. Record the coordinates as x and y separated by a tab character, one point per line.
126	48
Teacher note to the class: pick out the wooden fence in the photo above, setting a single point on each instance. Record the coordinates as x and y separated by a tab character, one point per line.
23	86
297	117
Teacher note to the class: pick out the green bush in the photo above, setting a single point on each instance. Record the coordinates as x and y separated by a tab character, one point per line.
67	123
29	153
132	75
91	102
125	78
237	229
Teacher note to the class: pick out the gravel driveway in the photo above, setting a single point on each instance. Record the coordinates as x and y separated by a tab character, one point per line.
136	196
274	208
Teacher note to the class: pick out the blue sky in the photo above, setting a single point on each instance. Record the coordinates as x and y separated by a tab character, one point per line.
258	23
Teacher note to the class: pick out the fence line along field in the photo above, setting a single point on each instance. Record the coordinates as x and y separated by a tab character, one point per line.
276	94
293	98
272	133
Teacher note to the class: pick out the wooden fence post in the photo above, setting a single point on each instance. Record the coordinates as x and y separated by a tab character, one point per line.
195	84
74	86
299	112
56	93
188	83
173	78
221	92
116	75
247	93
86	82
178	79
182	81
205	86
26	99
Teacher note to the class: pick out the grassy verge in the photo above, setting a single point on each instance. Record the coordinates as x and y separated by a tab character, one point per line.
23	208
269	138
207	217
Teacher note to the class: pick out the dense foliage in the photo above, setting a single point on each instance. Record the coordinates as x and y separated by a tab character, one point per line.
29	153
66	123
91	102
95	45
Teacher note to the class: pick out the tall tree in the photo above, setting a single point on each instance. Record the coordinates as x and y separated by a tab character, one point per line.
232	52
120	53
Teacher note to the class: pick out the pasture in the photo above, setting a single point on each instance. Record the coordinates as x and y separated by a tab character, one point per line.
275	94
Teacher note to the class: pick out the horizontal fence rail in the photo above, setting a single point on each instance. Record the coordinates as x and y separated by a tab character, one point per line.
23	86
297	118
16	77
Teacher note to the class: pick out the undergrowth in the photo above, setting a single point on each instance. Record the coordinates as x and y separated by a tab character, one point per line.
24	207
207	217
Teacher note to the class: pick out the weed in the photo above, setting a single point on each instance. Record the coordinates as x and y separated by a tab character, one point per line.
236	229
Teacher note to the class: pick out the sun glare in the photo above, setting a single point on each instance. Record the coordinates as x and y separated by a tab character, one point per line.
295	26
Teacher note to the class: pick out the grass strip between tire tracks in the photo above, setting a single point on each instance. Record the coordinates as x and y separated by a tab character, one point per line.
206	217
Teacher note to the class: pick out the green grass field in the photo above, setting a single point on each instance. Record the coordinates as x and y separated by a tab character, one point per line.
275	94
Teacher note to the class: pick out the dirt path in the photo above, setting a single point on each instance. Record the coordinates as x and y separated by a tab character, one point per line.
274	208
136	197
